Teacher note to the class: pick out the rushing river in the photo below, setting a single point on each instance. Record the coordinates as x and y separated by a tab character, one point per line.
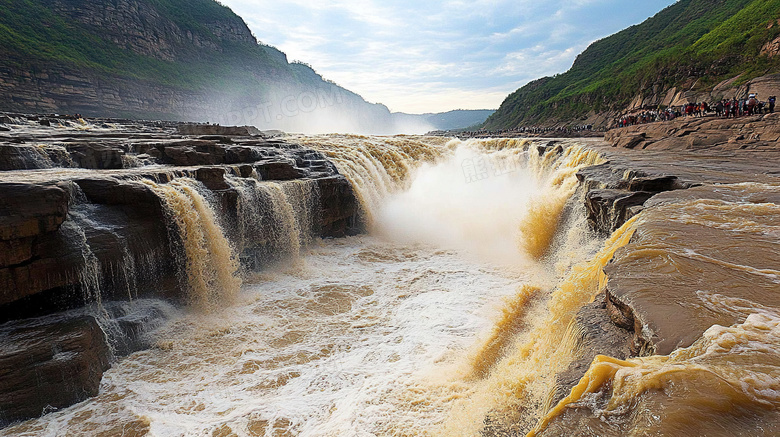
354	339
452	316
370	335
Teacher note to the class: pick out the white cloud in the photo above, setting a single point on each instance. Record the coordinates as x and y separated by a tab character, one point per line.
434	56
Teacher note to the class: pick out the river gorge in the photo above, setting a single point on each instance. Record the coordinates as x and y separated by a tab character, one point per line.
162	279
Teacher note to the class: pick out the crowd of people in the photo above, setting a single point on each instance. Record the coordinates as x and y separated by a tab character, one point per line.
559	131
724	108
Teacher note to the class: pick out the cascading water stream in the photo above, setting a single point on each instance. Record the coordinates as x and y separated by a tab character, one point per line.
126	325
372	335
210	264
275	221
377	167
691	255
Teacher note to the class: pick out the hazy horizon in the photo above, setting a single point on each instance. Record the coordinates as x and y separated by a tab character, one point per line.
431	57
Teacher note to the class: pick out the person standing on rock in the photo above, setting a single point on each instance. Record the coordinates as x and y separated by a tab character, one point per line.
771	104
751	104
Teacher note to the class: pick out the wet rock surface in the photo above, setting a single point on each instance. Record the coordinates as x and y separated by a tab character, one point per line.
676	165
215	129
52	362
116	214
615	192
81	222
47	364
701	133
29	210
703	253
712	250
610	209
598	335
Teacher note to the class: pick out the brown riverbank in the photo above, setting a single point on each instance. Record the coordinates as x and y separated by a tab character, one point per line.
754	132
699	280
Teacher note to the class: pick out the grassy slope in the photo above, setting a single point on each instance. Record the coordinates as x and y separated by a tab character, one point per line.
704	40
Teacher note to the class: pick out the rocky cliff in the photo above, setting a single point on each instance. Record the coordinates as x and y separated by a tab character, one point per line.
164	59
98	216
755	132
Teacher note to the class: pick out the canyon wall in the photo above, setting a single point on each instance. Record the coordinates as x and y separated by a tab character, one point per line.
170	60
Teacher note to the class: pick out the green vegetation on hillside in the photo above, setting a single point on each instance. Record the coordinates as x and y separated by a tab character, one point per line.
195	13
34	37
693	43
171	59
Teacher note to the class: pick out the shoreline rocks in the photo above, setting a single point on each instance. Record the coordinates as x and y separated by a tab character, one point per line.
701	133
52	362
113	214
49	364
123	217
80	224
684	263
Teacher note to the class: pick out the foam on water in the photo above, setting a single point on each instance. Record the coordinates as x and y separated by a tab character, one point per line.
351	343
211	264
369	335
469	201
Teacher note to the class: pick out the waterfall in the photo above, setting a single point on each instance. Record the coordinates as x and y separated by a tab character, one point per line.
468	264
715	378
506	201
126	325
33	157
91	273
80	218
558	172
460	184
41	156
274	220
465	311
498	200
377	167
512	388
210	264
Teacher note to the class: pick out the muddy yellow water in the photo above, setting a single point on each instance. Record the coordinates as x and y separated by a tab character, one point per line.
349	342
455	314
701	274
725	384
715	247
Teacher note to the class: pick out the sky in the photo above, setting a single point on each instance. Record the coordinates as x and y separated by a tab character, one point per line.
420	56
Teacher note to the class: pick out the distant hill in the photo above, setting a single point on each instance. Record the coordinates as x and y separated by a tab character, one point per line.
450	120
459	118
169	59
694	49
